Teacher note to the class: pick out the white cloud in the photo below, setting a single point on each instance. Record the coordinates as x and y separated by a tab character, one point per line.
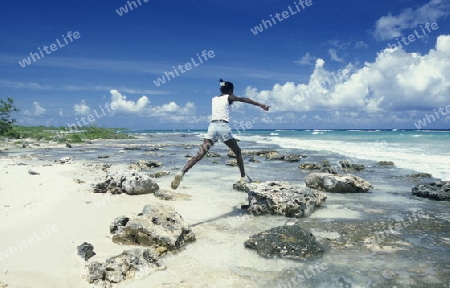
82	108
333	55
128	106
389	27
38	109
142	107
361	45
395	81
307	59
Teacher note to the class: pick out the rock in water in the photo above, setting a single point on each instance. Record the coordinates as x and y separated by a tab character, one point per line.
157	226
385	163
274	155
310	166
293	157
346	183
419	175
129	264
132	183
283	198
439	190
347	166
86	250
290	242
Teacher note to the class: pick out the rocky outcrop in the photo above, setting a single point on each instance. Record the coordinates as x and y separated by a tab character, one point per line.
283	198
213	154
241	186
293	157
326	167
274	155
132	183
346	183
159	174
439	190
130	264
232	162
64	160
260	153
290	242
157	226
347	166
143	165
85	250
419	175
310	166
385	163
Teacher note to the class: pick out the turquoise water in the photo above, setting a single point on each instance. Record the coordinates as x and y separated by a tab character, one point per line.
418	150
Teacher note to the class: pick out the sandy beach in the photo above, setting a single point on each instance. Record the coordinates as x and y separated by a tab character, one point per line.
47	215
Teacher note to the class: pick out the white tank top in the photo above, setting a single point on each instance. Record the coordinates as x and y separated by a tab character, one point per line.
220	108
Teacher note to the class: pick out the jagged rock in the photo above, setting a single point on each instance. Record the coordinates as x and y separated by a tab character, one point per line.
164	194
250	153
385	163
254	160
160	174
310	166
132	183
157	226
64	160
132	148
127	265
86	250
346	183
290	242
282	198
439	190
293	157
274	155
212	154
419	175
241	186
349	166
32	172
232	162
142	165
326	167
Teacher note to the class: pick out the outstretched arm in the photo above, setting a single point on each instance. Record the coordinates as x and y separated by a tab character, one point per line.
233	98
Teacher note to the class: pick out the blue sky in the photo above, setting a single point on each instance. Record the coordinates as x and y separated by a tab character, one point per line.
332	64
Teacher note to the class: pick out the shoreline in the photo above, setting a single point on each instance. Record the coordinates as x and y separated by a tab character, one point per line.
61	196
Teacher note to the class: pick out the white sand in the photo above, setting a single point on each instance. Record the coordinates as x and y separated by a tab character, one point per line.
45	217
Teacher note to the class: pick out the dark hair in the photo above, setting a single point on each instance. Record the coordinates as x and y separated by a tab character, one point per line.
226	86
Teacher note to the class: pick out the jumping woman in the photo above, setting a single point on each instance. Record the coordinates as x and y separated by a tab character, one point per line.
219	129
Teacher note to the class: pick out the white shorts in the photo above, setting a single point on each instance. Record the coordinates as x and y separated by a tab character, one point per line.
219	131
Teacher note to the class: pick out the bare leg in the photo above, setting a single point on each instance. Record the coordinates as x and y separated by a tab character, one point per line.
233	145
203	149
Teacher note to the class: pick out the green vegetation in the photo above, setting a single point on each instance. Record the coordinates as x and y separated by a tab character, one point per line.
59	133
6	121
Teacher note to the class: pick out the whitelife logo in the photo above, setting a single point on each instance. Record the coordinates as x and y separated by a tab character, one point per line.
53	47
188	66
284	15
